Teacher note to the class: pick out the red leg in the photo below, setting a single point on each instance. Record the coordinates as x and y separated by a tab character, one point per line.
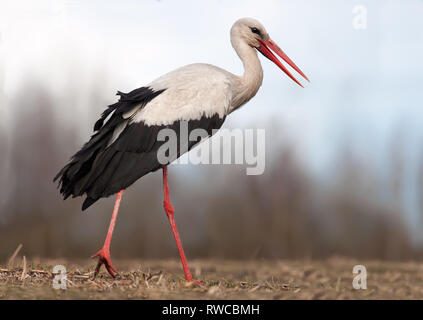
170	214
104	254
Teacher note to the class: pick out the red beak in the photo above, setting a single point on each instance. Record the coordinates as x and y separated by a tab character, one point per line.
265	49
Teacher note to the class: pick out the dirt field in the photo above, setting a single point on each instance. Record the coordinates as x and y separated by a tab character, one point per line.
329	279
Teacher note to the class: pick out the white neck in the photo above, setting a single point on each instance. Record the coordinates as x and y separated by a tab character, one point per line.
248	84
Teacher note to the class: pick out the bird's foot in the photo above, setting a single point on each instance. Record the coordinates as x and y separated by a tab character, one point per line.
191	281
104	258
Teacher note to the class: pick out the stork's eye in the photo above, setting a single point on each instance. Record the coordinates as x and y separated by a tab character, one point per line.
255	30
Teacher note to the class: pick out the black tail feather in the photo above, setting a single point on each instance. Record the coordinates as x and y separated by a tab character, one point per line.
88	202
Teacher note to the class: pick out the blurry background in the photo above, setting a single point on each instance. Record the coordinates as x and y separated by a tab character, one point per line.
344	156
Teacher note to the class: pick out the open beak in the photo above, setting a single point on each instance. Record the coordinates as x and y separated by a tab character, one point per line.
266	47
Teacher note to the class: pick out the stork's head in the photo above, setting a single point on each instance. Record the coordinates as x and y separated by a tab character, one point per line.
252	32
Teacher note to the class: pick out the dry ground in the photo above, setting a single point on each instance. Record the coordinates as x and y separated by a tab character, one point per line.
328	279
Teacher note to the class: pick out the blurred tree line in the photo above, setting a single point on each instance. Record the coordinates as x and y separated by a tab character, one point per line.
221	212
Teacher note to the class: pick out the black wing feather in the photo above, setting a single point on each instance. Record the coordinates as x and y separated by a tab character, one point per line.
126	102
81	164
100	170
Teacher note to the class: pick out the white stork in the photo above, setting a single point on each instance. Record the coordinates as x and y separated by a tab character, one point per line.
124	148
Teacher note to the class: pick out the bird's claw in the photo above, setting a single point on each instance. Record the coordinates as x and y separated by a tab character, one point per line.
104	258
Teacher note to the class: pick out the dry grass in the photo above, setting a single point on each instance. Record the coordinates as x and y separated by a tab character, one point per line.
330	279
